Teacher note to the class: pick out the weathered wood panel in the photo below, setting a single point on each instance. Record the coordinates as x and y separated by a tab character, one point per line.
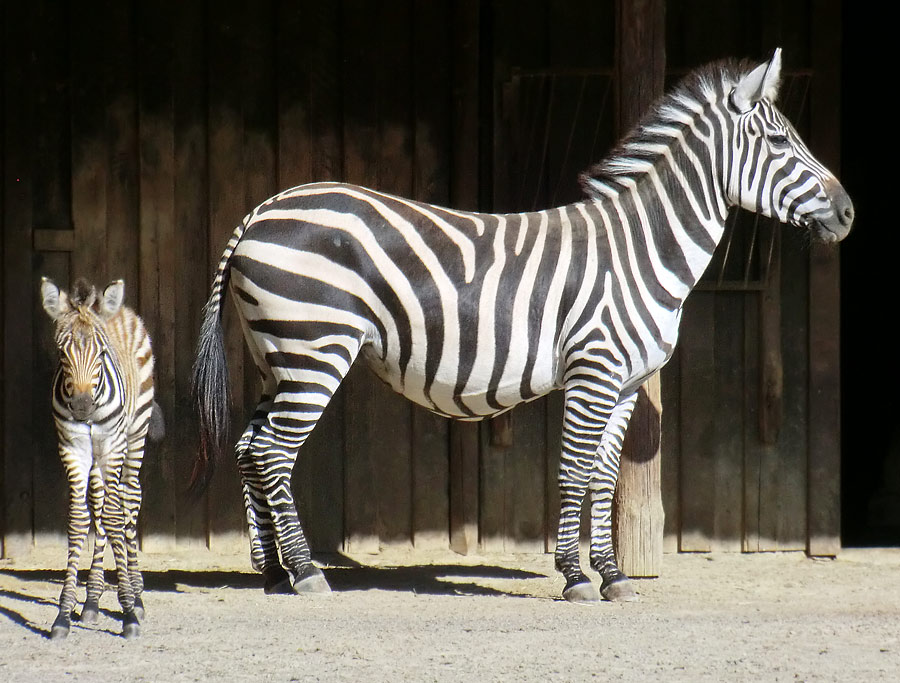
137	135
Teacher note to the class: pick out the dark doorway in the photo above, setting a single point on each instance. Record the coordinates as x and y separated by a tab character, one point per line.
871	428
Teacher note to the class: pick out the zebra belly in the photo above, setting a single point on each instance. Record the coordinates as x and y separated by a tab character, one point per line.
478	396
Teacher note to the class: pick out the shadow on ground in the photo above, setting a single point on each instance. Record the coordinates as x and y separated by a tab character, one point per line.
343	574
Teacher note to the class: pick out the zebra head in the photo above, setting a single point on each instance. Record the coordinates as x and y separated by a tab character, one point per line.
772	172
82	342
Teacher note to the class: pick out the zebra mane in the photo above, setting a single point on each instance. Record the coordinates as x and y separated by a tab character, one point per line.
638	150
83	293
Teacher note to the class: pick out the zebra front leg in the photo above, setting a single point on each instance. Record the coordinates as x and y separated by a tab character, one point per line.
615	585
260	528
584	420
79	522
573	483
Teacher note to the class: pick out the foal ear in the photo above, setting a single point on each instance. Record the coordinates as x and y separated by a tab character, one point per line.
112	298
53	299
760	84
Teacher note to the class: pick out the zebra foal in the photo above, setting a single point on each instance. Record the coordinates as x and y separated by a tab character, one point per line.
103	407
470	314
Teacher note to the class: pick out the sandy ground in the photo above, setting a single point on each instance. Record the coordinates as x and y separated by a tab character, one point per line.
404	616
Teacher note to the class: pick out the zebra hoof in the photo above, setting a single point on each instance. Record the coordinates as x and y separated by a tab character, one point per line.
277	582
584	593
131	627
311	581
60	628
90	613
620	591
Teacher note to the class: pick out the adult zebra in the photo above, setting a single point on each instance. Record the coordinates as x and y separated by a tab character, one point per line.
103	408
469	314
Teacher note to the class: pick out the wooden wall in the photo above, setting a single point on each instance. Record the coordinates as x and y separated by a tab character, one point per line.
137	134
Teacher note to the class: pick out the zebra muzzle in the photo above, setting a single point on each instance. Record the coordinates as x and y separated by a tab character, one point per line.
81	406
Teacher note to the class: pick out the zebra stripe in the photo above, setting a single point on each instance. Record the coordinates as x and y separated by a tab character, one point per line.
103	407
470	314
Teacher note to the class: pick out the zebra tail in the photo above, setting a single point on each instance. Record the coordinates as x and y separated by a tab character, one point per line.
157	430
210	386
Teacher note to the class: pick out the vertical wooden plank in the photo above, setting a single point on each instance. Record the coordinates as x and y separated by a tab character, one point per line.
464	194
360	391
641	64
51	185
824	505
670	451
157	264
89	150
228	166
394	160
553	441
698	404
191	230
122	150
524	529
464	490
18	287
309	150
728	421
431	183
786	496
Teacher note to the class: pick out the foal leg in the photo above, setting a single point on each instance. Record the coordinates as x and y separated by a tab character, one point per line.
114	519
79	522
132	497
96	582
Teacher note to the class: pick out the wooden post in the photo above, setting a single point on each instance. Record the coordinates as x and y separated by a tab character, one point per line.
638	526
464	436
824	456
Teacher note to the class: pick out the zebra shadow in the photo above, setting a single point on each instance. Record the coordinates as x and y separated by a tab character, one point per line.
343	573
347	575
20	620
51	576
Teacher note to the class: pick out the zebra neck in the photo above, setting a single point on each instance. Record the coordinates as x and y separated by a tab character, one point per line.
668	215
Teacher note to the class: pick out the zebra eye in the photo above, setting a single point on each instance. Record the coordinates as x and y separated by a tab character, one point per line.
779	140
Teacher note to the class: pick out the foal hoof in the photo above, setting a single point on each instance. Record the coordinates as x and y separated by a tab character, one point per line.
311	581
584	593
90	613
60	628
619	591
131	627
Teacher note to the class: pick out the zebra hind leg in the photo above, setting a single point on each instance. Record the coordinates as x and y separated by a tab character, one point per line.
261	530
274	452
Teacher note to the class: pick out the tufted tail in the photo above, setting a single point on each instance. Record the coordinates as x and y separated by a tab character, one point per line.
210	376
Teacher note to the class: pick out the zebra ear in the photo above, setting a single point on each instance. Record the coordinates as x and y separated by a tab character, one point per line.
760	84
54	301
111	301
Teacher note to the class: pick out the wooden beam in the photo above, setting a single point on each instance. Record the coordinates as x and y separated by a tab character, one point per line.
638	532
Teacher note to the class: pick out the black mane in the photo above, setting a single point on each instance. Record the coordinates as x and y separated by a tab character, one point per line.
703	85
